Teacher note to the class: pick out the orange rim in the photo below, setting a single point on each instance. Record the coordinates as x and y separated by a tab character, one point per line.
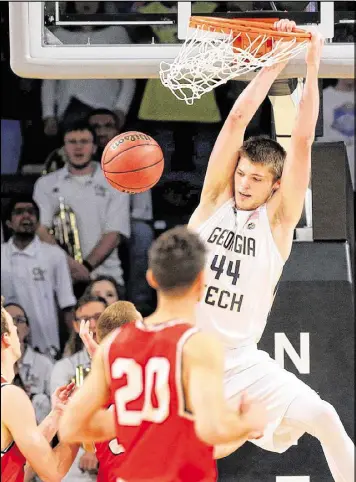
245	26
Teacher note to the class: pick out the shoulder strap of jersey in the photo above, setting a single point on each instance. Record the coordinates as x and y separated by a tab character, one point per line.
182	409
11	444
3	452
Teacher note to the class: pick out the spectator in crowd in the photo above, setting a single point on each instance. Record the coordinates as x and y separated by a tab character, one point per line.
64	101
88	309
33	370
35	275
102	213
106	125
339	118
104	287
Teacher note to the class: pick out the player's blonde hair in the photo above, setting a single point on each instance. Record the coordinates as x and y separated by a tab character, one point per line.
4	324
114	316
266	151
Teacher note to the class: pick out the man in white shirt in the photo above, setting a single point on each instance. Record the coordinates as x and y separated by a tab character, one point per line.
107	125
102	213
35	275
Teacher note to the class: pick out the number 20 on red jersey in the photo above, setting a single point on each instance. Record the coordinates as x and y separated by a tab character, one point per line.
148	380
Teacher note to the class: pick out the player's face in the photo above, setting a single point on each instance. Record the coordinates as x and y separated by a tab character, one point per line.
79	147
105	128
89	312
254	184
24	219
13	336
105	290
20	321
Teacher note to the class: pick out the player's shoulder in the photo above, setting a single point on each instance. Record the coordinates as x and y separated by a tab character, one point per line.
208	209
12	397
203	347
172	331
110	340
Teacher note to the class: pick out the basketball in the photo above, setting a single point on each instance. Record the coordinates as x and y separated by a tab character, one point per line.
132	162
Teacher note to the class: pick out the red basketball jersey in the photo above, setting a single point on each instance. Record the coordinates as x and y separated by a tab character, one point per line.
12	460
109	455
152	423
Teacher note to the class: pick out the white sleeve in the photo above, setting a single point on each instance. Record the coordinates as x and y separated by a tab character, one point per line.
141	206
48	98
63	280
118	213
44	201
61	374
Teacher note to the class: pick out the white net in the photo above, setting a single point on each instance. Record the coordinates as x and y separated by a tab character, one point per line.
208	59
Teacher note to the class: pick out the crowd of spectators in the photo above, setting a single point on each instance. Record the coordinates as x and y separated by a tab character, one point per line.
58	129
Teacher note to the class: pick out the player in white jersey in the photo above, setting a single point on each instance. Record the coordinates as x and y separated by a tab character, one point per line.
251	202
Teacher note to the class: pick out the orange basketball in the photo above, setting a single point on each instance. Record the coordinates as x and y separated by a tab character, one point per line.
132	162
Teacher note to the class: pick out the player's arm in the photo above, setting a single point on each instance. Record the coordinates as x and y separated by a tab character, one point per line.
65	455
215	422
287	204
223	450
105	246
218	184
19	418
84	420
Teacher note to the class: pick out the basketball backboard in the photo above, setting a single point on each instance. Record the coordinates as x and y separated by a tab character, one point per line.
130	39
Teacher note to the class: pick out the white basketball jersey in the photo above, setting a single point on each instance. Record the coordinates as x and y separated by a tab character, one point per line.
242	272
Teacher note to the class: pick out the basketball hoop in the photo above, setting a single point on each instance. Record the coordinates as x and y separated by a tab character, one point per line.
217	50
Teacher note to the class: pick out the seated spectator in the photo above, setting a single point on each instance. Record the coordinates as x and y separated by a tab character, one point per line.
88	308
65	101
101	212
33	370
35	275
104	287
106	126
114	316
